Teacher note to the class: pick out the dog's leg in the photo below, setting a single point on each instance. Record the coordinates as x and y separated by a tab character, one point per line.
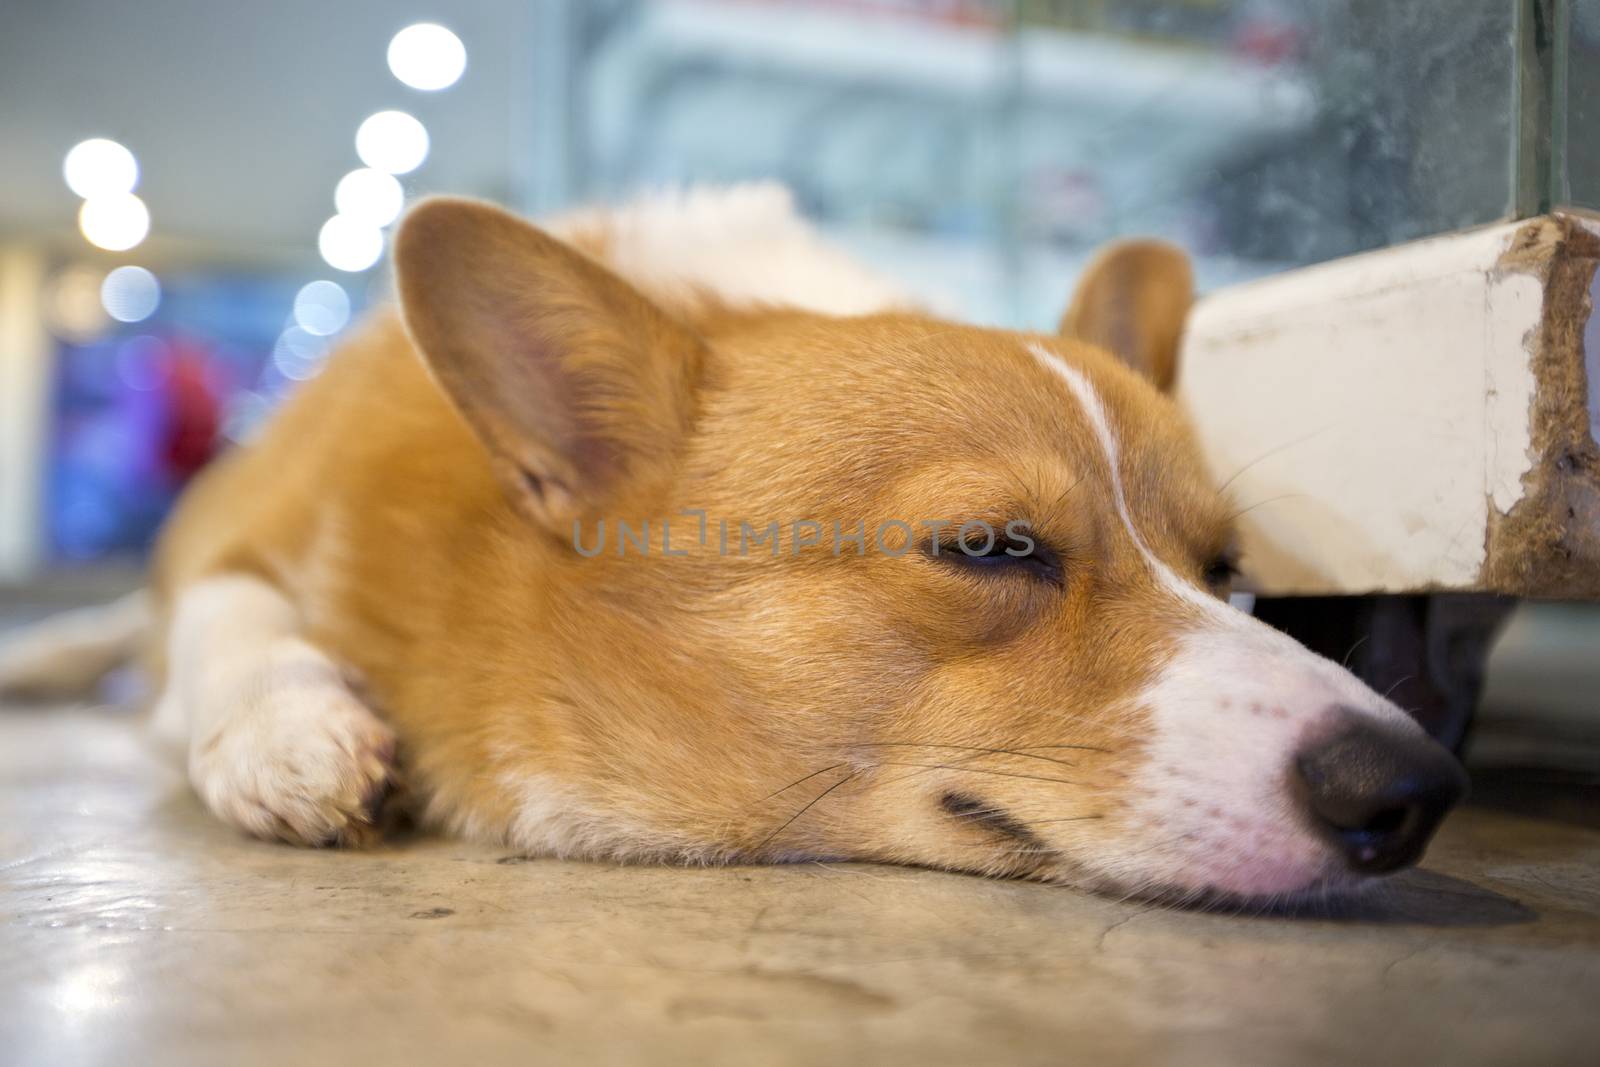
66	655
278	745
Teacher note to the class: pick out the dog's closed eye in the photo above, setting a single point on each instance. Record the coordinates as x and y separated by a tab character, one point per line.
1220	573
999	554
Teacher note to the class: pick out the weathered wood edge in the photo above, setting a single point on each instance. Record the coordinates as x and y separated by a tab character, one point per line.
1548	543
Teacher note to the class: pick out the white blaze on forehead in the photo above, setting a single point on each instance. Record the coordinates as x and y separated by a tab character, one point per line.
1256	638
1230	706
1095	412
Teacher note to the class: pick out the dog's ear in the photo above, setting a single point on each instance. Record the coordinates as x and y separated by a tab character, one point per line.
1132	302
580	387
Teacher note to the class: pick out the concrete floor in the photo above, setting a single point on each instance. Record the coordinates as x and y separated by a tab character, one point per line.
135	929
138	930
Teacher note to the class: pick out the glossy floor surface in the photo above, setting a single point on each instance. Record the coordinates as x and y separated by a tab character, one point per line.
137	930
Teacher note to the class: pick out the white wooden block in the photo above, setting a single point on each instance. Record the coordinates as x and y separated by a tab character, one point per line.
1388	419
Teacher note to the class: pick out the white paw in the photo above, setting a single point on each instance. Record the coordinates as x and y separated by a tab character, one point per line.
294	755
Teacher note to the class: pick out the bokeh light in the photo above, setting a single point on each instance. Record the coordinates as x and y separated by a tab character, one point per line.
393	142
298	354
115	222
130	294
321	308
371	196
72	305
98	167
246	412
427	56
350	244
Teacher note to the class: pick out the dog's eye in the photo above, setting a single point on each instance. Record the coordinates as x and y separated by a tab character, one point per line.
999	554
1220	573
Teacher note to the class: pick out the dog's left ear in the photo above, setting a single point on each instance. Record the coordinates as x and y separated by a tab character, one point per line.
582	388
1132	302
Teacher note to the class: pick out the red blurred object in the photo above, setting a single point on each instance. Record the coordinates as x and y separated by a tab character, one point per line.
1269	41
194	414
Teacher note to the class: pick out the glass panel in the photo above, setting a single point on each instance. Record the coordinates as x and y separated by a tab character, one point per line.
1579	158
983	149
977	150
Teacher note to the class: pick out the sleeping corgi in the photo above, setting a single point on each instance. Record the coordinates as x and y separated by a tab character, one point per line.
670	533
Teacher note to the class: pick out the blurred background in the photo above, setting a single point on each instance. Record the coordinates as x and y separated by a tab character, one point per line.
196	195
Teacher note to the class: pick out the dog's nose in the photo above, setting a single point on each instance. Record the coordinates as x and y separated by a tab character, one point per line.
1378	792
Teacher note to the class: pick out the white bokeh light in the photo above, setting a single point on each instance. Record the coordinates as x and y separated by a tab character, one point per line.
298	355
321	308
349	244
427	56
72	306
371	196
393	142
98	167
116	222
130	294
244	416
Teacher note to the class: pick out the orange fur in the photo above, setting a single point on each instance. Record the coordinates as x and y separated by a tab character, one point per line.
413	510
685	694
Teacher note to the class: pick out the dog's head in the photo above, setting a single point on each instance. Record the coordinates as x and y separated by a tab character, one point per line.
909	591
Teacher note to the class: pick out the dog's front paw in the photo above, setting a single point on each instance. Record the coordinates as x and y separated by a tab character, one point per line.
297	757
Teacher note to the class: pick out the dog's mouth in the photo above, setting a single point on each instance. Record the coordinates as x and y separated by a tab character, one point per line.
977	812
1284	864
1299	885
